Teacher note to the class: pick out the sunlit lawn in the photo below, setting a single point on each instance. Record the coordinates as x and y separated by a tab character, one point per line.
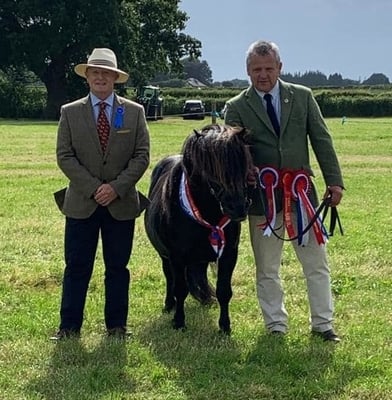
159	363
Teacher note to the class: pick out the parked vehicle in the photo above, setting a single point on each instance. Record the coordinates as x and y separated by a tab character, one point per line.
150	98
193	109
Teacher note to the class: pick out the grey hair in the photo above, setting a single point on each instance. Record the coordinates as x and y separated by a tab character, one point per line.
262	48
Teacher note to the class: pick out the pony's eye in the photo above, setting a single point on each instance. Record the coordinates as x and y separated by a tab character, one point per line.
216	190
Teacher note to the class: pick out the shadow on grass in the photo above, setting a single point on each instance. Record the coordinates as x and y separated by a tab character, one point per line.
75	373
210	365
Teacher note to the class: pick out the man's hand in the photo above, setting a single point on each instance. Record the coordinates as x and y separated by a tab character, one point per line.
105	194
336	193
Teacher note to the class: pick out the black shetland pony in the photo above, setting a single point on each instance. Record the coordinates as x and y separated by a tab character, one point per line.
197	202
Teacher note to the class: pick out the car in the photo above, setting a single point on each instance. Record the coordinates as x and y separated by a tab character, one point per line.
193	109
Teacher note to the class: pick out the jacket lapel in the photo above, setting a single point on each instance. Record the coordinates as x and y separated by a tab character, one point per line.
255	103
286	102
116	103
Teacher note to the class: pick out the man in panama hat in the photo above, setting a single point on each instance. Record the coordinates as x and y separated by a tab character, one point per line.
103	150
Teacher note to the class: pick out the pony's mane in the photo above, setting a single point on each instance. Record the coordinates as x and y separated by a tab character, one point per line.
218	153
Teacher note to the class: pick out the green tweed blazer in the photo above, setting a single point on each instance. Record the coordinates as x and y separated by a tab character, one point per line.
301	127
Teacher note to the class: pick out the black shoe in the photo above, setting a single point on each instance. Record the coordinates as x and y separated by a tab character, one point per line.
65	334
119	332
327	336
277	333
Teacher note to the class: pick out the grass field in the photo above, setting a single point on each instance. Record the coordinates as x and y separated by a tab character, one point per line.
199	364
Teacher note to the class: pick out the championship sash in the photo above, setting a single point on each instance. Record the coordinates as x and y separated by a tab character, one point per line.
217	235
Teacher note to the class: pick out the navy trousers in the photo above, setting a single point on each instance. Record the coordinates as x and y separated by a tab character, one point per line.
80	246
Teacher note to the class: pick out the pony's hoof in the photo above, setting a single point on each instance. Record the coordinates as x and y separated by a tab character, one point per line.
226	331
178	327
169	306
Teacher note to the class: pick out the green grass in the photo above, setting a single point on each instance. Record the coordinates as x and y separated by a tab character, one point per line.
199	364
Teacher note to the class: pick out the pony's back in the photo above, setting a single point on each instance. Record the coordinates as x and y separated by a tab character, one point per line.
160	195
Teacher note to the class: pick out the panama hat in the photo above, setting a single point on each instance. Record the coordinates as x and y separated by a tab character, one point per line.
105	59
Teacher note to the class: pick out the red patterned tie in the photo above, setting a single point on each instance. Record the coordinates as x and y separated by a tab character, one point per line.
103	126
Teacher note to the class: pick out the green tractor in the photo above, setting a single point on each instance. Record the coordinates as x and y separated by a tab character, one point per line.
150	98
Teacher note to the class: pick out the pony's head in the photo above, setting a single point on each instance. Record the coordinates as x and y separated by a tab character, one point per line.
218	157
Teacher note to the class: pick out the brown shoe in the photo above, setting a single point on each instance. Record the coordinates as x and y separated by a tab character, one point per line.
118	332
65	334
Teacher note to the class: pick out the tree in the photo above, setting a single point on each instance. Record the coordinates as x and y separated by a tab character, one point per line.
376	79
335	80
50	37
200	70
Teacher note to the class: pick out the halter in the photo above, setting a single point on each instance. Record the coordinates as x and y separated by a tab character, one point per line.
217	235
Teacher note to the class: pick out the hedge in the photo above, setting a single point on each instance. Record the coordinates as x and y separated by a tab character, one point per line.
21	101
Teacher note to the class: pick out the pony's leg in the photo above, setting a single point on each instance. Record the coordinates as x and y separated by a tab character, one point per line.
180	292
198	283
170	300
224	292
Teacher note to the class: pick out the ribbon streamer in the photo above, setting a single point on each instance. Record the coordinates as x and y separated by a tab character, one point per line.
287	180
269	179
305	210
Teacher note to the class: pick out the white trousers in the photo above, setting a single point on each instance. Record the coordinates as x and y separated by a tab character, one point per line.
313	258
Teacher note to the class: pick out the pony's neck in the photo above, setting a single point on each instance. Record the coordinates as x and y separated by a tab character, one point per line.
206	203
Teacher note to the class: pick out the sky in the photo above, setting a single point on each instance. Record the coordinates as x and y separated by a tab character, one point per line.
349	37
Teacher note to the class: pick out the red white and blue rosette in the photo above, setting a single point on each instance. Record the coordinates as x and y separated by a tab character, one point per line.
300	188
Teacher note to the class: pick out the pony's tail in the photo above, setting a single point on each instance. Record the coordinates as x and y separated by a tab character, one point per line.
199	285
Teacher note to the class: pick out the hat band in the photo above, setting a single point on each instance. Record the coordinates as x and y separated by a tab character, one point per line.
105	63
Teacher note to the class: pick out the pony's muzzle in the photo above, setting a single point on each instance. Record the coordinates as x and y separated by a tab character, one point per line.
237	211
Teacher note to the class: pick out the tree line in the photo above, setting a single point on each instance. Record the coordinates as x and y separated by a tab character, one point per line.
41	42
202	72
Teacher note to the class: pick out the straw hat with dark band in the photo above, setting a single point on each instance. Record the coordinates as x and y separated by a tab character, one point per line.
105	59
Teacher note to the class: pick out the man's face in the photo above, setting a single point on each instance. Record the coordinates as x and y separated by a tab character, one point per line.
263	72
101	81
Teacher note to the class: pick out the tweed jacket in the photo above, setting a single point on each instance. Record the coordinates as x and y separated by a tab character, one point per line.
80	157
301	124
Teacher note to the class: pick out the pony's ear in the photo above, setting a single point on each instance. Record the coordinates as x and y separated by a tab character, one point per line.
197	133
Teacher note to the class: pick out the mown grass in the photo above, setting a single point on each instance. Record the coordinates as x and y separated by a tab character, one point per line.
199	364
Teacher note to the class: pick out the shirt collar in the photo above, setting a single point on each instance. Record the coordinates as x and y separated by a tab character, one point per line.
95	100
274	92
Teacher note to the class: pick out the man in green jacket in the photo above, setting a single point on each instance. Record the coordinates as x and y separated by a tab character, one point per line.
283	119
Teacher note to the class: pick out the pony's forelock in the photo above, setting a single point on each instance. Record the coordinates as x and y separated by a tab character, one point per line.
220	152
